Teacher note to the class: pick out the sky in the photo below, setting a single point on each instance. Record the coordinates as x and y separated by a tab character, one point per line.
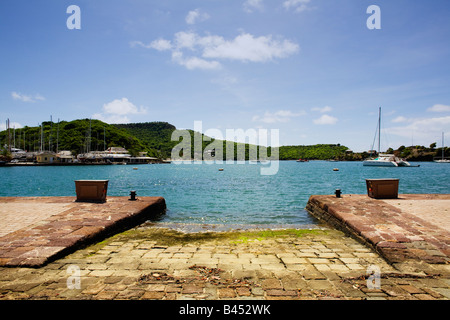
315	70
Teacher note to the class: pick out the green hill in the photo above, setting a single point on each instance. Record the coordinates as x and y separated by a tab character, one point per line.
156	136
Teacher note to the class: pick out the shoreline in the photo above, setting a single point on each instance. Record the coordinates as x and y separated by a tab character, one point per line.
192	228
224	162
32	164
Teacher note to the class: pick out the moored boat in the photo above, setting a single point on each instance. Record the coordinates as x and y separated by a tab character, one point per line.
442	160
385	160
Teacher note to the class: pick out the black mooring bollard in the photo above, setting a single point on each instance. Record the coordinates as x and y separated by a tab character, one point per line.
338	193
132	195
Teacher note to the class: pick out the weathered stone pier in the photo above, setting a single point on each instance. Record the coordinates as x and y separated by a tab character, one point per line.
412	230
37	230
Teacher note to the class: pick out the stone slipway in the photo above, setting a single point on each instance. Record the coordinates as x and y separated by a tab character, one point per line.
412	230
38	230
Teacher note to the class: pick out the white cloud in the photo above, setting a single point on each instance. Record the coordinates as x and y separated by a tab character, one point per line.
121	107
399	119
429	129
192	63
117	111
159	44
204	51
325	119
322	110
39	97
296	5
278	116
250	5
139	43
246	47
111	118
186	40
196	15
11	125
26	98
439	108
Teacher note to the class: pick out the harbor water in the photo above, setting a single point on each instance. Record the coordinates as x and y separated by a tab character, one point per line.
236	195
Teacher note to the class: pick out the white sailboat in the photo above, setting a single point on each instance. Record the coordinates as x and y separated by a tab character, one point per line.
385	160
442	160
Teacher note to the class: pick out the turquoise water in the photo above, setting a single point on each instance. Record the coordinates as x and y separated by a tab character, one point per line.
200	193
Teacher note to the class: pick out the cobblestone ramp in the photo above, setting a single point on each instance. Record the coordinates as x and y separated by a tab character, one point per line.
155	263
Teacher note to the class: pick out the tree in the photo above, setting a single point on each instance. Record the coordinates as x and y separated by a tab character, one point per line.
433	145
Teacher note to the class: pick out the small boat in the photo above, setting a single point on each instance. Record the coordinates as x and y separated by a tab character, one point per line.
335	169
442	160
220	169
302	160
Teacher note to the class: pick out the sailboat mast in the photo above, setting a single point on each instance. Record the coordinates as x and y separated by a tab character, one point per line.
57	137
89	145
42	137
9	135
50	146
379	129
442	145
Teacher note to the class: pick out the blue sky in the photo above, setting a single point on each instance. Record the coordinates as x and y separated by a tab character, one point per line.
310	68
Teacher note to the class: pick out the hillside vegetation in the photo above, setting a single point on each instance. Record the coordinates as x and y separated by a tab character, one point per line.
157	135
73	136
83	135
315	152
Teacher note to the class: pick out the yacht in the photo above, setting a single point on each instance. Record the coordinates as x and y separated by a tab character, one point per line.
385	160
442	160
